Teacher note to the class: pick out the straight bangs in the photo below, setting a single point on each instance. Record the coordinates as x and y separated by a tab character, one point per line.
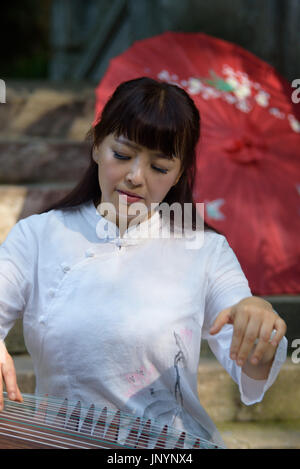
153	133
151	118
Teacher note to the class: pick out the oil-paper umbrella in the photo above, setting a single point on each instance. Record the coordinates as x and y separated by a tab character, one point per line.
248	159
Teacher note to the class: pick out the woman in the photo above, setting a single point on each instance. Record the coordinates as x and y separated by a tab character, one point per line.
116	317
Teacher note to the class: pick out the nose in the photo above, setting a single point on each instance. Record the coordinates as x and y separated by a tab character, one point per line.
135	174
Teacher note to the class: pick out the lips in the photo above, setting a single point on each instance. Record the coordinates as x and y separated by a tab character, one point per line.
130	194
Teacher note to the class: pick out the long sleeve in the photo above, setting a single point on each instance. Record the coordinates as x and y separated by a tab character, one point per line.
16	275
227	285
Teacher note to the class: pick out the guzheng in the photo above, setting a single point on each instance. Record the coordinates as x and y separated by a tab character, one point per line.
48	422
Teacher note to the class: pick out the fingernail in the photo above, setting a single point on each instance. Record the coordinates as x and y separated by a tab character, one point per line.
240	362
12	396
254	360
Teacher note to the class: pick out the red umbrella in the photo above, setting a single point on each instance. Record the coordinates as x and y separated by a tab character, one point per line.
248	171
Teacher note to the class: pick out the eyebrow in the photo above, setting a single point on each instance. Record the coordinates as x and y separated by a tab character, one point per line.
137	147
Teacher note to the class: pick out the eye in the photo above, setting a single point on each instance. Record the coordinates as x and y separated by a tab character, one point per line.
120	157
126	158
164	171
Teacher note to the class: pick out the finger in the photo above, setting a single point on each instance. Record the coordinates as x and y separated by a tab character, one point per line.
19	397
263	341
9	375
281	329
251	334
239	329
223	318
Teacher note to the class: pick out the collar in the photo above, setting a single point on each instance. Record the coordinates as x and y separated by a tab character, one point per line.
108	231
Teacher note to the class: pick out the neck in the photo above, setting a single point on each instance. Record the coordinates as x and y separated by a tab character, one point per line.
128	221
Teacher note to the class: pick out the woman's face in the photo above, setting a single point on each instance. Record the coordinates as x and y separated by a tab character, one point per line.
126	166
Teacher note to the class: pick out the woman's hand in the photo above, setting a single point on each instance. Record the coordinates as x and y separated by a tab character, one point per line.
252	318
8	375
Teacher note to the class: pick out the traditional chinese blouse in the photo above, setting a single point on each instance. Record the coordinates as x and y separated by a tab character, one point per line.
118	321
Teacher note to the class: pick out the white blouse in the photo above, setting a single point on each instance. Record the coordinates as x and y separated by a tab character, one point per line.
118	322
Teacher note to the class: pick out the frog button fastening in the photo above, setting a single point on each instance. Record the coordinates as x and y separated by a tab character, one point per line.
65	267
89	253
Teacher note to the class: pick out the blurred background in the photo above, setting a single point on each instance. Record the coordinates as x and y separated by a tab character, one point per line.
60	40
54	54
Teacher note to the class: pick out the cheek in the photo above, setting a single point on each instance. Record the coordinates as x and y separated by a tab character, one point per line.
160	187
109	173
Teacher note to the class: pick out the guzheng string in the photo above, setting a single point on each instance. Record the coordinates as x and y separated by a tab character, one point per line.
59	423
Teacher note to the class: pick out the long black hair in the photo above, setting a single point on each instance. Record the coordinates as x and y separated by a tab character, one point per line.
154	114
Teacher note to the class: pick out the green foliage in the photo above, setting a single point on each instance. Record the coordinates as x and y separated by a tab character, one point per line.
25	48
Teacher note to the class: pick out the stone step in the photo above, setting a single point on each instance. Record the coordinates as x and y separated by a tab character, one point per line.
41	109
35	160
43	128
261	435
21	201
220	396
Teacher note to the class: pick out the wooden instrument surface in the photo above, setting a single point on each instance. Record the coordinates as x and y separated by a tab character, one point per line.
44	422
